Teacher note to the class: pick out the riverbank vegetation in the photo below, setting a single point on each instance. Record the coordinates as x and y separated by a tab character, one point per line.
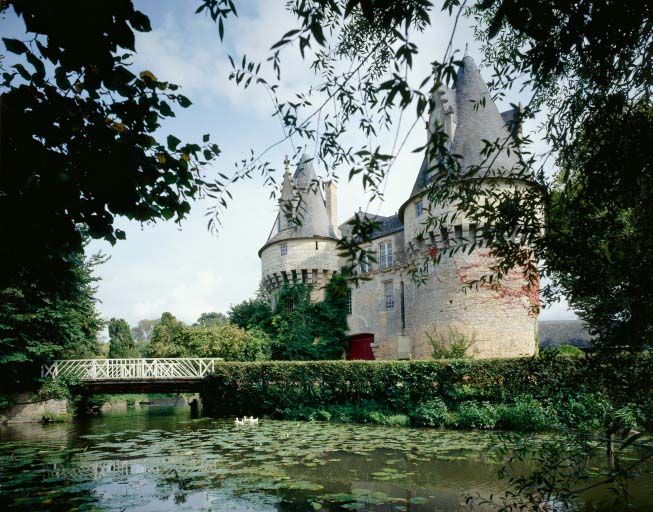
541	393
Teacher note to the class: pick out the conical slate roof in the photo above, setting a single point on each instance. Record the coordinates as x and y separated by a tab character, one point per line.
475	118
303	195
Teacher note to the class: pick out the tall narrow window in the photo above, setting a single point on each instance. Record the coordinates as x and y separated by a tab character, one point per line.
403	311
349	309
365	264
290	305
472	233
284	249
385	254
445	238
388	295
458	234
419	207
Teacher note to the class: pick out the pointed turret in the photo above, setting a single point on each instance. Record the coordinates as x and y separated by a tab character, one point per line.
470	117
302	210
479	120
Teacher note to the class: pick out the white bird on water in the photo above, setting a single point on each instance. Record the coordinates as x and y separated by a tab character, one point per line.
246	421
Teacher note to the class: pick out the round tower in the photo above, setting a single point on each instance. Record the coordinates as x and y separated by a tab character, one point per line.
301	247
497	320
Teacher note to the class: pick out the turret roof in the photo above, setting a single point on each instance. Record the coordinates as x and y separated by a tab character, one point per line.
476	119
303	193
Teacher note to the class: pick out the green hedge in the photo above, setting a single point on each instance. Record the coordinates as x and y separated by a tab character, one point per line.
269	388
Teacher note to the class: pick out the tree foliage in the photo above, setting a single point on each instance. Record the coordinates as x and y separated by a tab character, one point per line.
250	313
308	330
229	342
121	342
586	66
601	223
213	318
142	331
168	338
40	323
79	148
173	338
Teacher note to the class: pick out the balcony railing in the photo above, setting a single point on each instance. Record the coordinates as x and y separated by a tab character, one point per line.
390	261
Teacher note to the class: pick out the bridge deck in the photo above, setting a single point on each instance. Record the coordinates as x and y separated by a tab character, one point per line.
134	375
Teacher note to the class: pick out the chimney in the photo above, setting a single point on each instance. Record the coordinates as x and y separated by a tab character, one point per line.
331	196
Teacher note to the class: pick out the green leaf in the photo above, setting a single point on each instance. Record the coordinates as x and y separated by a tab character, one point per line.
205	137
38	65
23	72
173	142
61	78
184	101
14	45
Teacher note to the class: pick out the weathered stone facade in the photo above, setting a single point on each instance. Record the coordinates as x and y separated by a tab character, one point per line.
404	316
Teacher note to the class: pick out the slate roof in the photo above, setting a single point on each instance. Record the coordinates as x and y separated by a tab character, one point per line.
475	122
552	333
303	191
388	225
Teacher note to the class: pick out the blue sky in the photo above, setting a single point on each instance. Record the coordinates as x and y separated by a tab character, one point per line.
185	269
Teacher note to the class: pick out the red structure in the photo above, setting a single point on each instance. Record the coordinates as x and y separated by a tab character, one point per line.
360	347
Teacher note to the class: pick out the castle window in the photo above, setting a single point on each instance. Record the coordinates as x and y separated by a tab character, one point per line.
472	233
445	238
458	234
349	309
290	305
388	295
420	208
385	254
316	245
284	249
365	264
403	311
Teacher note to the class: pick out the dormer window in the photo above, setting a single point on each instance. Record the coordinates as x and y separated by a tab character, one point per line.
284	249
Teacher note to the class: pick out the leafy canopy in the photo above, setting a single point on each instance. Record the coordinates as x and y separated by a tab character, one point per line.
121	342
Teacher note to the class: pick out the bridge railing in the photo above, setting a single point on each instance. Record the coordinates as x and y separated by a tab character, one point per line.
131	369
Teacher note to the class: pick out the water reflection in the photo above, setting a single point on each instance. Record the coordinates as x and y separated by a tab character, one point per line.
152	459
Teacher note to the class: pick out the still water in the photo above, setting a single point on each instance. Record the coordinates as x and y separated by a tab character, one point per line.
157	458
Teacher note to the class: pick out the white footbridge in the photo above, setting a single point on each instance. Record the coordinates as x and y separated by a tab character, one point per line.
166	371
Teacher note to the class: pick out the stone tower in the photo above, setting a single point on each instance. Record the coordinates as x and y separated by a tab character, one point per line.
501	319
390	316
301	247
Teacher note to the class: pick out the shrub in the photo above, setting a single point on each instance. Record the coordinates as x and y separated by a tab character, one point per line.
433	413
526	414
582	410
450	343
577	390
565	350
52	417
477	415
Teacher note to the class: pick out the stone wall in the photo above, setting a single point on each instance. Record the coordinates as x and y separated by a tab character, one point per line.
307	260
27	410
500	319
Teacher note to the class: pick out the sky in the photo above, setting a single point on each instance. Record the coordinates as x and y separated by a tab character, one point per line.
184	269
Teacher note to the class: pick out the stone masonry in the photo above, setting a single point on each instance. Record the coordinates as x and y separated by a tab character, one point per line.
402	315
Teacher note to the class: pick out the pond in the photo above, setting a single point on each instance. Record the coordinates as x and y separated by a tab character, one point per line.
157	458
